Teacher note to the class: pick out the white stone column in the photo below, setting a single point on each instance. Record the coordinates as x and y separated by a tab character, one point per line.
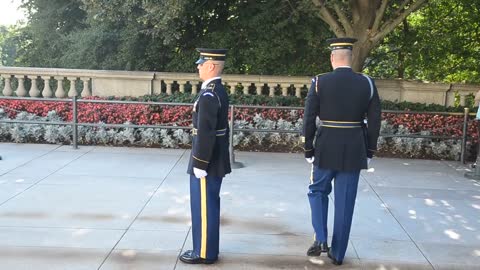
462	100
298	90
21	91
86	87
60	93
34	92
47	91
271	90
233	87
73	91
194	85
169	87
245	88
7	89
258	89
285	89
181	86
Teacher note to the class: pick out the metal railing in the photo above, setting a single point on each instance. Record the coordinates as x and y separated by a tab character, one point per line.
75	124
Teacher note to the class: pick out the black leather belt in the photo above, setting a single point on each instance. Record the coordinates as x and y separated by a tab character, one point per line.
341	124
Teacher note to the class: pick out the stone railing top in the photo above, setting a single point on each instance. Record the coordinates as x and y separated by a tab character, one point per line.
149	75
236	78
64	72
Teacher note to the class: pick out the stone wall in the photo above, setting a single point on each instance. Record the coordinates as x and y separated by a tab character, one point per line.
78	82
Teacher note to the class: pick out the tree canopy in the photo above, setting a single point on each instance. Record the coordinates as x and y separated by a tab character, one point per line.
433	40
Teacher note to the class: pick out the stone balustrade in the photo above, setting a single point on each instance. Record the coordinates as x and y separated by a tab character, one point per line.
52	82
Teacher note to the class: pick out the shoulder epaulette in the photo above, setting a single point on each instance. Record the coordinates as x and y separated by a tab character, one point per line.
210	86
369	82
210	91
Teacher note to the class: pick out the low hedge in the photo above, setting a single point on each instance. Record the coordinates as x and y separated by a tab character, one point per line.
393	123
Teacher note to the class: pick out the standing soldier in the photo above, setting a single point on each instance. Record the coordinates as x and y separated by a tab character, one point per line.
341	146
209	160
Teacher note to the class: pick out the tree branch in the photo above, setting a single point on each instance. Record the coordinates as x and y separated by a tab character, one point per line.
343	20
391	24
327	17
402	6
379	16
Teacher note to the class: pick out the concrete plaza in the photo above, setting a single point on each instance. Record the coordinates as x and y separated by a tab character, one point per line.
128	208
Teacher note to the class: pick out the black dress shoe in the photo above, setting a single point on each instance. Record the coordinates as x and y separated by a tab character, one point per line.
317	248
334	261
190	258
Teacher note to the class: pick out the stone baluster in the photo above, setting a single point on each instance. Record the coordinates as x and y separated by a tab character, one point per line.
86	87
34	92
7	89
60	93
21	91
181	86
462	100
47	91
245	88
233	87
271	90
298	90
194	87
73	91
285	89
169	87
258	89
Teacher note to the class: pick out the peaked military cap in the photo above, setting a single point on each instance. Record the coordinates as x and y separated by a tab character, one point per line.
341	43
211	54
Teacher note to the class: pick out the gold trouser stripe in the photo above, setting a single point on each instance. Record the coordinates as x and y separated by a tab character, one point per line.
314	237
203	198
311	176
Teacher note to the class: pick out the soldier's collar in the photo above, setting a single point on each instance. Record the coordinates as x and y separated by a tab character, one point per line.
205	83
343	67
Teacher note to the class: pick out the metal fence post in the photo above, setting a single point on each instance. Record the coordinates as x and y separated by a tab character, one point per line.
233	164
464	135
232	117
75	122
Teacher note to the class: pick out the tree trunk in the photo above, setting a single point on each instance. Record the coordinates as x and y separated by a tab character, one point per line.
365	20
360	54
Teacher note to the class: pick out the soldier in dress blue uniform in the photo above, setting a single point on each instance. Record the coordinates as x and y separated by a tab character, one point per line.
341	146
210	159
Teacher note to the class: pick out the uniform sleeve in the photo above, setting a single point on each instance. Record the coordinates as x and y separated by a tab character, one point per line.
312	108
374	117
208	106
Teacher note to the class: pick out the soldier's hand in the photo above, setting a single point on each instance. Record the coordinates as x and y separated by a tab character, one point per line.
199	173
310	160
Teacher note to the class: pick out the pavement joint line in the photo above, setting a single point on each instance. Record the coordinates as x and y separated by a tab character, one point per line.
41	179
183	247
141	210
21	165
400	224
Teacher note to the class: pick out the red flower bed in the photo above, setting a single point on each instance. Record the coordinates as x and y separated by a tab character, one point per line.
103	112
440	125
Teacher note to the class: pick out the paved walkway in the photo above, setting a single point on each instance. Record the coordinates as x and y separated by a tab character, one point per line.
128	208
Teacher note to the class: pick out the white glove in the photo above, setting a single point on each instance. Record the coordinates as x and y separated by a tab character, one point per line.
199	173
310	160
